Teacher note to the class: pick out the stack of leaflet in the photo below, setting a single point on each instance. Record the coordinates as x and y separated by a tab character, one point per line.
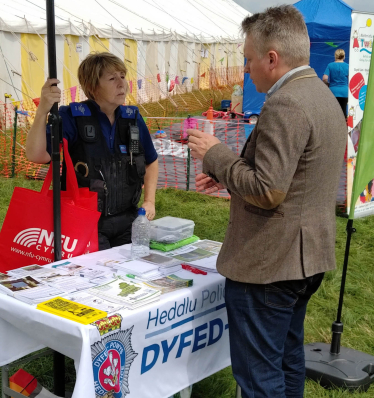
202	255
169	283
167	265
28	290
90	300
127	292
139	269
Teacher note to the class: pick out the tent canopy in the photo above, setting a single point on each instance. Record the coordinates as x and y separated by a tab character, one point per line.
195	44
326	20
329	26
149	20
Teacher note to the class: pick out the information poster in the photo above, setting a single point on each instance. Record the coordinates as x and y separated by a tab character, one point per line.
361	46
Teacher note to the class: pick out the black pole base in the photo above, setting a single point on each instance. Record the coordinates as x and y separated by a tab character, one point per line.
350	369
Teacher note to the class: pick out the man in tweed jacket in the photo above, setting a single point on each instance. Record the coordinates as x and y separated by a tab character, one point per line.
281	234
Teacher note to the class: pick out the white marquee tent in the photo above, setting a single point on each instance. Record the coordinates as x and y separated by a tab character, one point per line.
159	40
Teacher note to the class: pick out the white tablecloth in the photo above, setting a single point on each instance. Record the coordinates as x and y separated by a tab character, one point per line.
160	348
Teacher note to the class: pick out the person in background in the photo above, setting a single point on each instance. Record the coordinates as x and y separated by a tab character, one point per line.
98	133
336	76
280	239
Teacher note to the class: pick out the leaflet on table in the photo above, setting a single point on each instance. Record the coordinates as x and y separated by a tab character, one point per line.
197	257
138	268
4	277
94	301
36	271
127	292
91	273
209	245
29	290
169	283
74	311
161	260
70	283
67	266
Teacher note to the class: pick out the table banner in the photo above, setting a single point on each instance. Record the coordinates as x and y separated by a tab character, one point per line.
158	351
361	47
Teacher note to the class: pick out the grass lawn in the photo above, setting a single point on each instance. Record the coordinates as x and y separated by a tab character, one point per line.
211	217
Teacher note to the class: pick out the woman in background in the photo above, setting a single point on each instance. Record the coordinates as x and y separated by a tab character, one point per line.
336	76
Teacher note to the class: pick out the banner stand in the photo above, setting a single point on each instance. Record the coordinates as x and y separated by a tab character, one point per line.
333	366
56	137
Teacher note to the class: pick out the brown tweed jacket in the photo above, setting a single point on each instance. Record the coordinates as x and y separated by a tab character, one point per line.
284	186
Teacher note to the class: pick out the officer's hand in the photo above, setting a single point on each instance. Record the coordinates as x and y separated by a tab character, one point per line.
150	210
49	95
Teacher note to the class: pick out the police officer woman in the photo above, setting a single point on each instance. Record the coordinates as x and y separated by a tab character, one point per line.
109	144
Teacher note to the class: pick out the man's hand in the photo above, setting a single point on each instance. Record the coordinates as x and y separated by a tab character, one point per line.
203	182
200	143
150	210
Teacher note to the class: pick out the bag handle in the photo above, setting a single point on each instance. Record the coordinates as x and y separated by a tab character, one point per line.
71	178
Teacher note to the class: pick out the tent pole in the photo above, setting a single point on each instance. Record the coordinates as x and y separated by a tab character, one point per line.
56	138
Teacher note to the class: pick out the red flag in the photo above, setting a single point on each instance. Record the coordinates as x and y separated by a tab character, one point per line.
36	101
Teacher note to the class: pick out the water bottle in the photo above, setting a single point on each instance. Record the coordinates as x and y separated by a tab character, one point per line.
140	235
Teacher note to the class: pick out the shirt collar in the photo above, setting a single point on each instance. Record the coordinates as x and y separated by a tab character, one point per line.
117	112
278	84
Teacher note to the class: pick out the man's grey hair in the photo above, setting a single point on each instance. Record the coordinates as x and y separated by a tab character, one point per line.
281	29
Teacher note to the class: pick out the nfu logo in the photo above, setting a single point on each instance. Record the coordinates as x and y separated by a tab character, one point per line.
44	241
129	111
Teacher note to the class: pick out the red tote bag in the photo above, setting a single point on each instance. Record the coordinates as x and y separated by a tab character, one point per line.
27	233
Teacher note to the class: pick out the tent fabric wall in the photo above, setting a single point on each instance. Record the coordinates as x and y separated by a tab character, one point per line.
326	34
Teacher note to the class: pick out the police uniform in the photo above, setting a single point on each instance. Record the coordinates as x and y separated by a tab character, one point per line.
100	154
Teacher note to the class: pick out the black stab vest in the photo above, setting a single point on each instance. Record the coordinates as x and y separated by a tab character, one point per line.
117	181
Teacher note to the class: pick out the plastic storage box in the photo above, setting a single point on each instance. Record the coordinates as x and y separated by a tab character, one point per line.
171	229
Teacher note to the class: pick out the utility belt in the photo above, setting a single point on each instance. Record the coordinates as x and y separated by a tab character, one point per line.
118	183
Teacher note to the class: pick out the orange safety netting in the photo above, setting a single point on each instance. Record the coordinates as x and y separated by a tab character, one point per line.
155	101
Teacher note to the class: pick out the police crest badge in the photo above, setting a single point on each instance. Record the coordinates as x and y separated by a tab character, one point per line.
112	357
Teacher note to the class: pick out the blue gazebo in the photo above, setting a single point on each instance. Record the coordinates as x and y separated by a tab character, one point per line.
329	26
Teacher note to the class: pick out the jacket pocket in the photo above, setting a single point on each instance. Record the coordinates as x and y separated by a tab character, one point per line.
264	213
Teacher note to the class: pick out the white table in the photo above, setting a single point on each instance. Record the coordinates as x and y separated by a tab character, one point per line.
161	348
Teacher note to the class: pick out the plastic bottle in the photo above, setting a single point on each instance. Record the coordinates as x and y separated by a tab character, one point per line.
209	125
140	235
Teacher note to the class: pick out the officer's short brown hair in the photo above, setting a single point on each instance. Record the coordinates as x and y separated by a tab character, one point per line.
93	67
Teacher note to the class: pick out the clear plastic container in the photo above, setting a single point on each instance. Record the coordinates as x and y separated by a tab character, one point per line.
171	229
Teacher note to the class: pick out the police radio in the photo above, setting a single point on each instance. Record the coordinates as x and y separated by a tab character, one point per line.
134	146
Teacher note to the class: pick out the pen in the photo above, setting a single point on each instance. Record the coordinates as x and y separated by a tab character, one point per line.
193	269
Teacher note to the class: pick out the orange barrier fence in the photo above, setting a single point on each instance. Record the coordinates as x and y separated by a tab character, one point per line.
176	168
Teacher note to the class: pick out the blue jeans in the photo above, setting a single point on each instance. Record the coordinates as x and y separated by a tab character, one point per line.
266	327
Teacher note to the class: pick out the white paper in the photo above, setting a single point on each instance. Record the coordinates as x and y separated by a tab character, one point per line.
90	300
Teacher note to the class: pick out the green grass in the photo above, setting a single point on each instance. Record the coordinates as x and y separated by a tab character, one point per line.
211	217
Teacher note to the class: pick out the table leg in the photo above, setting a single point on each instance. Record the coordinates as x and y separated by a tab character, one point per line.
238	391
59	374
4	380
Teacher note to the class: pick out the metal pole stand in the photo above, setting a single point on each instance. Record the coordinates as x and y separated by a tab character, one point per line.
238	393
333	366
